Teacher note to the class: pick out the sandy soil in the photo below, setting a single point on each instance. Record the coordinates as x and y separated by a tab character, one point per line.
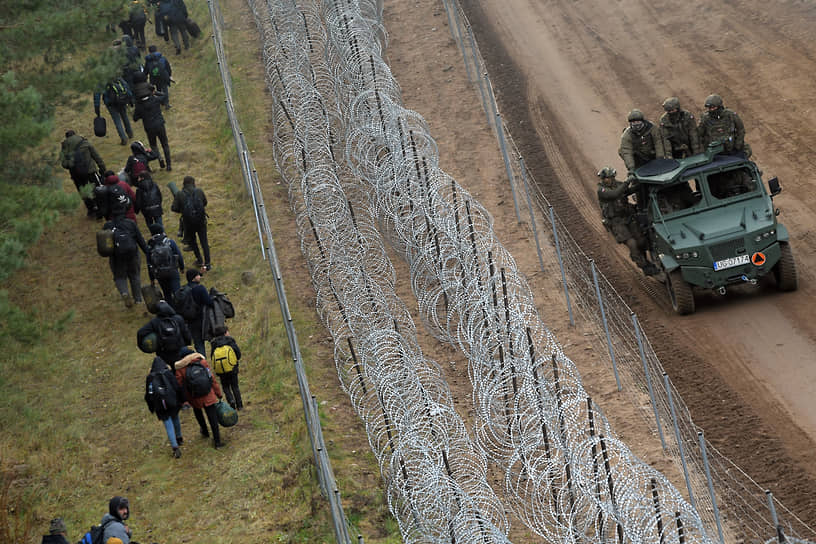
566	74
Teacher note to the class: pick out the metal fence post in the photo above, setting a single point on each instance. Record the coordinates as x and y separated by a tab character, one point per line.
561	265
605	323
507	165
648	380
532	212
710	485
679	440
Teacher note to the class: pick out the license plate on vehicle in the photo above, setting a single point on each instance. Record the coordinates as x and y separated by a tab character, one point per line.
731	262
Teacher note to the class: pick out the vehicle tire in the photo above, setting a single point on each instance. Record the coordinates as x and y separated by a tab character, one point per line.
785	270
680	293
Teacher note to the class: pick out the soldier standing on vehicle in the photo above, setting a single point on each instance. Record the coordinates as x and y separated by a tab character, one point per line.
618	216
720	124
641	142
679	128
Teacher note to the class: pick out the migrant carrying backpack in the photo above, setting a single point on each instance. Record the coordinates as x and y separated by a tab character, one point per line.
170	337
197	380
184	303
162	258
151	200
123	242
95	535
224	359
80	163
161	395
192	210
156	68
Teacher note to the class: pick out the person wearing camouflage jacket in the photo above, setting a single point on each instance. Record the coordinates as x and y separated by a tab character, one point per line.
641	142
679	128
720	124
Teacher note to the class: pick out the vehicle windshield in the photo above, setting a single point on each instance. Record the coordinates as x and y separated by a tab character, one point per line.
731	183
678	197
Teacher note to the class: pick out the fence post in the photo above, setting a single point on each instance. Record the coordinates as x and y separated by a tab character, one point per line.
507	165
532	212
710	485
561	265
478	76
605	323
780	533
679	440
648	380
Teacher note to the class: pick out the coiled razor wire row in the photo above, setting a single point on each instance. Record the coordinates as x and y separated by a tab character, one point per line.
567	475
435	477
741	499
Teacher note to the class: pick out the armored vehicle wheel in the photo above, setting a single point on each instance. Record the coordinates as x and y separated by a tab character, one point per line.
785	270
680	293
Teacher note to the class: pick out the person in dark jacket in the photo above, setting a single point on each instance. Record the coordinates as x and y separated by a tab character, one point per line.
137	16
167	411
148	196
168	344
148	109
158	69
228	379
126	265
114	521
139	154
169	282
141	87
202	299
194	227
57	533
82	171
111	208
204	403
176	12
117	95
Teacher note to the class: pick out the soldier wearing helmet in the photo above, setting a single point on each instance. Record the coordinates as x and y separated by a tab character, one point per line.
641	142
679	128
618	216
720	124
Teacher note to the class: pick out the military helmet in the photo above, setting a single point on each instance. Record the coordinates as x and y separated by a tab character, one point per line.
671	103
635	115
607	172
714	101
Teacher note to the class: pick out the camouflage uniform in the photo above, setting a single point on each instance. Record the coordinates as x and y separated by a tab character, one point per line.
681	134
619	218
726	128
636	149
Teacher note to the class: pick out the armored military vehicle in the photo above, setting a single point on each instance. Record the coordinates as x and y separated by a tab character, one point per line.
711	224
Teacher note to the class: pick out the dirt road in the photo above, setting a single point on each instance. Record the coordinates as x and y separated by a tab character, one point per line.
568	72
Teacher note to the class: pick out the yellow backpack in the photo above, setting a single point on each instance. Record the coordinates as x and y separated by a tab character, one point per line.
224	359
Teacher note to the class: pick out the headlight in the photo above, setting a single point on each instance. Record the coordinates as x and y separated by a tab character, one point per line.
694	254
758	238
767	234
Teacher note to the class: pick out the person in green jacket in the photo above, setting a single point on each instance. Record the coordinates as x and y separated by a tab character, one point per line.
679	128
642	142
719	124
78	156
618	216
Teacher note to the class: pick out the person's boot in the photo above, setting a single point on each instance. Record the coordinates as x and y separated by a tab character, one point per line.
176	452
161	163
128	300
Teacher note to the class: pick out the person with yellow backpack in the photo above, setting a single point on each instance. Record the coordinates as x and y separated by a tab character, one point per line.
225	356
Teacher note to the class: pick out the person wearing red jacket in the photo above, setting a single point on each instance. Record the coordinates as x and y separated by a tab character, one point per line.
203	403
109	201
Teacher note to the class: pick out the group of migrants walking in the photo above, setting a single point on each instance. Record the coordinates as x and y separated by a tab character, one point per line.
179	376
677	135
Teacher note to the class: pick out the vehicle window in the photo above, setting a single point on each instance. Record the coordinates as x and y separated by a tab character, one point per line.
731	183
678	197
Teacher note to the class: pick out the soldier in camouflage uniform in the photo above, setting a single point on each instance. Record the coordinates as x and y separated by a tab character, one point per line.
679	128
641	142
720	124
618	216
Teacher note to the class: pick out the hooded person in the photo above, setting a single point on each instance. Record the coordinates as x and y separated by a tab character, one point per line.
113	522
115	198
148	196
200	402
148	109
165	263
57	532
164	398
139	154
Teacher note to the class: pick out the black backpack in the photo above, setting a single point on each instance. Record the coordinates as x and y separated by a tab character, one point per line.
161	394
162	258
119	201
192	210
170	337
123	242
151	200
118	93
197	380
95	535
156	68
184	303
